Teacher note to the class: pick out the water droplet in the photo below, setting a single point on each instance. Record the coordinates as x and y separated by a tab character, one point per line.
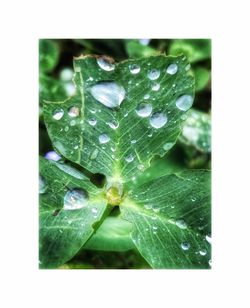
181	224
141	167
193	199
94	210
184	102
146	96
66	128
92	111
129	158
108	93
72	123
154	228
153	74
73	112
42	185
156	86
208	239
210	262
158	120
75	199
187	68
103	138
185	246
52	155
144	110
92	121
113	124
133	141
134	68
202	252
172	69
94	154
76	147
58	114
167	146
106	63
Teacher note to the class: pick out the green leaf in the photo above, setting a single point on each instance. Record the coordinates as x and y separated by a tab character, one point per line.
196	131
50	89
171	220
48	55
112	139
69	207
195	49
202	77
112	235
137	50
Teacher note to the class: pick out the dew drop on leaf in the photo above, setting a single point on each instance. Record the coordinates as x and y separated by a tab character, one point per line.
113	124
185	246
72	123
66	128
146	96
73	112
134	68
208	239
133	141
184	102
42	185
202	252
58	114
156	86
187	68
158	120
92	121
153	74
167	146
144	110
103	138
94	154
75	199
181	223
52	155
172	69
108	93
105	64
129	158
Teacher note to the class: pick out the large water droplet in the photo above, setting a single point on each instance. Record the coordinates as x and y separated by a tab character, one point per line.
92	122
75	199
108	93
144	110
103	138
52	155
106	64
73	112
158	120
58	114
134	68
42	185
129	158
153	74
185	246
172	69
181	224
184	102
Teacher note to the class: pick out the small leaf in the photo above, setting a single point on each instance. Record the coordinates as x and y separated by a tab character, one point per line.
123	114
69	206
171	220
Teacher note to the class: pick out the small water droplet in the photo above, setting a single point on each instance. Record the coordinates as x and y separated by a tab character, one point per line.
92	121
94	210
66	128
181	223
172	69
106	63
103	138
52	155
184	102
58	114
72	123
76	147
154	228
146	96
42	185
92	111
202	252
208	239
153	74
156	86
134	68
108	93
75	199
73	112
141	167
185	246
167	146
129	158
144	110
94	154
187	68
133	141
193	199
113	124
158	120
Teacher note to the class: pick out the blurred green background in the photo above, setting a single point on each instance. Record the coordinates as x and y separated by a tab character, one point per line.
193	149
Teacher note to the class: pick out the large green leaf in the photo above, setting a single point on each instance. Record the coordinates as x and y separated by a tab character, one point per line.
171	220
93	130
69	207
